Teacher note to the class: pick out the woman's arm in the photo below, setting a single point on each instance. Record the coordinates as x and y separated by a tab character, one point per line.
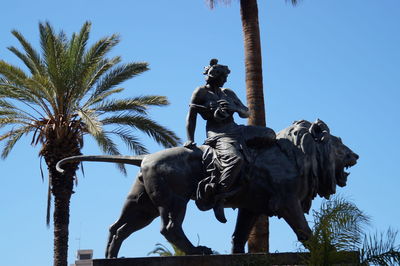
190	127
191	118
236	104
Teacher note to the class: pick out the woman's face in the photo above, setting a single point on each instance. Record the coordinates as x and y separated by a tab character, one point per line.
221	79
218	80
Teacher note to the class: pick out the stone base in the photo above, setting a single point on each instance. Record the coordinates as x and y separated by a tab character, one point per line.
259	259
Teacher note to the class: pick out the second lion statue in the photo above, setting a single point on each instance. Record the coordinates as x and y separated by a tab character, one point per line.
282	180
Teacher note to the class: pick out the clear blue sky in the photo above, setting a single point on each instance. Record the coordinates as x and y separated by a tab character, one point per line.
334	60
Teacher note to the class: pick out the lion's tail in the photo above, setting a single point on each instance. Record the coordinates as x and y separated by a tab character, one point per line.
134	160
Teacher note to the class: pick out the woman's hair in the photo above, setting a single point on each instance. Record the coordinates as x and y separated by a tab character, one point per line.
214	70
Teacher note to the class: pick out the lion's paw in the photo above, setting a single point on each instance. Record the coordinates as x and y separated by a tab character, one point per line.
202	250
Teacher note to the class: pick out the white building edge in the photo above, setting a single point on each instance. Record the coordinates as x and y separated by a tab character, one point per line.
84	257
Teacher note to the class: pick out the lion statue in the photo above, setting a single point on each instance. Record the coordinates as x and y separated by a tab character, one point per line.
282	180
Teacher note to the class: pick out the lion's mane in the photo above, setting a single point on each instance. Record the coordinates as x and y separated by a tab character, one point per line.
309	146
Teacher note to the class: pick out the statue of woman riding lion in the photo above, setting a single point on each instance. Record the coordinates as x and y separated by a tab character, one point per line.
242	167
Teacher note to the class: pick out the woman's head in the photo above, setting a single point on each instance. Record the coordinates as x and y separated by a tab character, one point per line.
216	73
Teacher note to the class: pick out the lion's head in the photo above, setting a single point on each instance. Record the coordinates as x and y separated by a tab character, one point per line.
334	159
323	157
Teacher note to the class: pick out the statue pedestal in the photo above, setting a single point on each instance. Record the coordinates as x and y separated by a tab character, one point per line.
348	258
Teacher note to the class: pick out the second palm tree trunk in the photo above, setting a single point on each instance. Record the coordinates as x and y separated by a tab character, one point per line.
258	239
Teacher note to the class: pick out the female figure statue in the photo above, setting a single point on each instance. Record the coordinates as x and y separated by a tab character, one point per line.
225	138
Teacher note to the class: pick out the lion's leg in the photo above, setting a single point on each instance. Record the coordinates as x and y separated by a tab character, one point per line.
245	221
112	232
171	225
137	222
293	214
172	216
138	212
116	240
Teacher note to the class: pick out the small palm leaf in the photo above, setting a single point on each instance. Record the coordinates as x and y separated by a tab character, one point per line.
160	250
109	147
137	104
381	249
338	226
130	141
116	76
32	59
92	74
13	137
91	120
101	97
160	134
163	251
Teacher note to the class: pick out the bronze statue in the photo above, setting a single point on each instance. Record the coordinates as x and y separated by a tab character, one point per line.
303	162
225	139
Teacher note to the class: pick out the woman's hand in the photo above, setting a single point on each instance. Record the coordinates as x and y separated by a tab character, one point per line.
189	144
227	106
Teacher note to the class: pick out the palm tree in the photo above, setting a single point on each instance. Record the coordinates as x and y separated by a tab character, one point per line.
66	95
339	226
258	239
163	251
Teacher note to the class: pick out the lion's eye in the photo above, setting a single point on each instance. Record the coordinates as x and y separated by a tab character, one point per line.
340	152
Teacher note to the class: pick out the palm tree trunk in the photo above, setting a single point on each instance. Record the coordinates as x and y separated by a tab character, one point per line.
61	222
61	185
62	189
253	62
259	237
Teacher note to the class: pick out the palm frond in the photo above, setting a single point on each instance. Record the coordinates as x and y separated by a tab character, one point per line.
101	97
338	226
40	88
136	104
44	84
78	44
50	57
27	61
130	141
10	111
27	103
109	147
12	73
94	73
91	121
16	82
160	134
28	94
55	53
13	137
342	221
4	104
98	50
35	63
177	251
75	66
118	75
381	249
95	55
14	119
161	250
